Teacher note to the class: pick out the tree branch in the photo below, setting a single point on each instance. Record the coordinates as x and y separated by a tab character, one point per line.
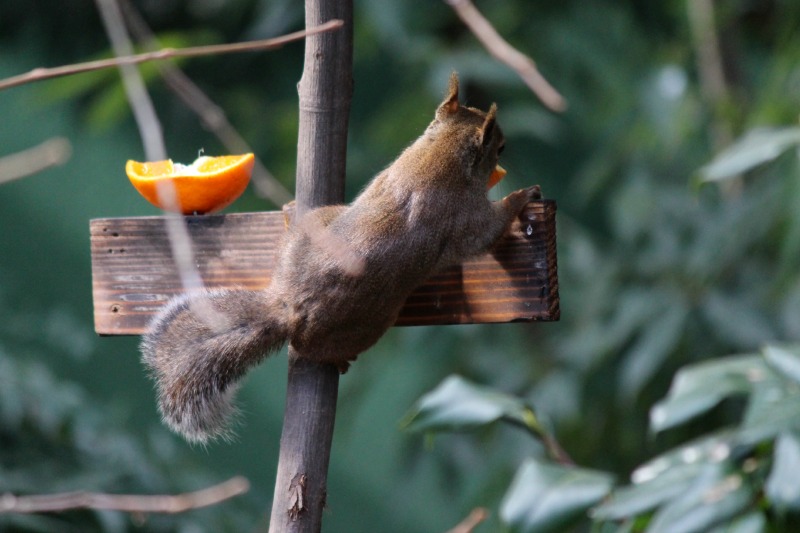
504	52
39	74
52	152
478	515
131	503
713	84
142	106
325	91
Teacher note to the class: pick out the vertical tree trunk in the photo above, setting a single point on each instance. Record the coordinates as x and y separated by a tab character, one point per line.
325	91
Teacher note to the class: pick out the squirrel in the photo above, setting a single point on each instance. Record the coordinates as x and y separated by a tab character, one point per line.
342	274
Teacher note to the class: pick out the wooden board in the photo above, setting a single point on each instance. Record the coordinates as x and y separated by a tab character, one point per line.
133	273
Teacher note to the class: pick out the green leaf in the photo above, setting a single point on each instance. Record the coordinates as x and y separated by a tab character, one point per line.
73	87
735	318
784	359
110	104
656	340
698	388
632	500
458	404
755	148
108	107
782	487
750	523
614	527
772	409
665	477
717	495
547	497
635	308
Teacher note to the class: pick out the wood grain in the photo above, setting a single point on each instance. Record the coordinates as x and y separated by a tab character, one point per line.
133	273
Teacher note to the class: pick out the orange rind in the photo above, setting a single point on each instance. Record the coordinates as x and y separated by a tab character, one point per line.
494	178
209	184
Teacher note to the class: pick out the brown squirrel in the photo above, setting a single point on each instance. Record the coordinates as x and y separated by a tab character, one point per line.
343	272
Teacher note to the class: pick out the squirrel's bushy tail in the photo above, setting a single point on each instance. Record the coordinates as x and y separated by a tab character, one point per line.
199	346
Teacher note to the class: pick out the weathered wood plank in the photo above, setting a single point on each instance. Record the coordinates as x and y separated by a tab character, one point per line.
133	273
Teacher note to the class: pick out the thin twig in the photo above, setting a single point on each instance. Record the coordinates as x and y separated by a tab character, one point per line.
713	84
50	153
142	106
710	69
39	74
155	149
478	515
504	52
131	503
552	447
556	451
212	116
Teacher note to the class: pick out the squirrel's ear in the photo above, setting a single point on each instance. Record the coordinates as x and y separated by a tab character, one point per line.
450	103
486	129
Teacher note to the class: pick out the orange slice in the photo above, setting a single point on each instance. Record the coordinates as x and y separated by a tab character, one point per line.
207	185
494	178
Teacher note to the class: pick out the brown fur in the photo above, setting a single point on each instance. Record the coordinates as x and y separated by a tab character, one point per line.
343	274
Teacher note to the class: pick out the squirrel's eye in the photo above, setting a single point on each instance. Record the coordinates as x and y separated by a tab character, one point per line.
501	148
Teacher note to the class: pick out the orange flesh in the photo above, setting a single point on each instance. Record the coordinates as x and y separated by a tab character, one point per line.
207	185
494	178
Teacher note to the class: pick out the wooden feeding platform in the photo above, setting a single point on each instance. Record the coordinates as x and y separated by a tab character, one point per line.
133	272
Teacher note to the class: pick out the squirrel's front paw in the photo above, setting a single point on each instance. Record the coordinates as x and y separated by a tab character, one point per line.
534	192
520	198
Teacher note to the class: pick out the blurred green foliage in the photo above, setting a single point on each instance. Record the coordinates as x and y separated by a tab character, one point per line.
740	477
672	251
